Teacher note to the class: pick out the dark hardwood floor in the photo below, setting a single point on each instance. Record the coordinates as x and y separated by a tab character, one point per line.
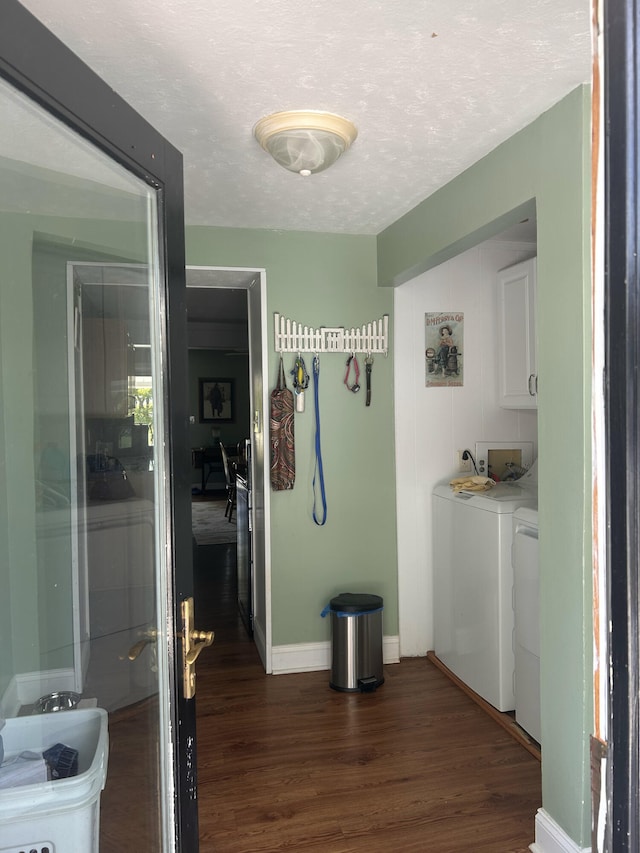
287	764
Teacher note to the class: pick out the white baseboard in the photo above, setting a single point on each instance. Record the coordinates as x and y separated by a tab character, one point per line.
27	687
300	657
391	649
314	657
551	838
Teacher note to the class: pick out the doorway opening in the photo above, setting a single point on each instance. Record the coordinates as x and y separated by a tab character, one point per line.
226	311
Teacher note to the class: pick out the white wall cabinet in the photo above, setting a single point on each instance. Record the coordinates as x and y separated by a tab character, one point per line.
106	351
517	357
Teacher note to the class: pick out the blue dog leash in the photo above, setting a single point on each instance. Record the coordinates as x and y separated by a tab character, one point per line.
318	465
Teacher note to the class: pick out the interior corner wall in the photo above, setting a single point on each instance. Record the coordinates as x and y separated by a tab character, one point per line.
548	163
324	280
433	423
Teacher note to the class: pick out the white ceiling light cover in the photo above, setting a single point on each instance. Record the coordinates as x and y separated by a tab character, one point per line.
305	141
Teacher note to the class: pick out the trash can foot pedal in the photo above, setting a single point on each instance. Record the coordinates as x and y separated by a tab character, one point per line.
367	685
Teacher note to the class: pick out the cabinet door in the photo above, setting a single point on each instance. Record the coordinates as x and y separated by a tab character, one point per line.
517	367
105	346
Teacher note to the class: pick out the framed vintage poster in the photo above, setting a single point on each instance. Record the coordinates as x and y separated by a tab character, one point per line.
443	349
217	401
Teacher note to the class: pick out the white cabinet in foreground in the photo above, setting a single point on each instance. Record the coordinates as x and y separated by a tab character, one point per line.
517	357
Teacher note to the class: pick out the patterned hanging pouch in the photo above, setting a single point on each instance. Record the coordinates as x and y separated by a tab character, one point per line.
281	435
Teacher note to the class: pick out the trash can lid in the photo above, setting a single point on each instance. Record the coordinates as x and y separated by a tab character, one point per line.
355	602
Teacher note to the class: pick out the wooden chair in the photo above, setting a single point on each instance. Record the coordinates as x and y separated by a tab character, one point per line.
230	477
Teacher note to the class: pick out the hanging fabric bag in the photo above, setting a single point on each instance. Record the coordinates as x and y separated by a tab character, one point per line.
281	435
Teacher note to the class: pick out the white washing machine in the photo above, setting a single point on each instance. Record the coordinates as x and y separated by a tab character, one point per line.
473	584
526	572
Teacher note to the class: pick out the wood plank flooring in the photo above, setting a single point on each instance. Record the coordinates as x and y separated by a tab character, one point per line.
287	764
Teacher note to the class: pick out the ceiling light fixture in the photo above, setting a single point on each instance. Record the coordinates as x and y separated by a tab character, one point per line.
305	141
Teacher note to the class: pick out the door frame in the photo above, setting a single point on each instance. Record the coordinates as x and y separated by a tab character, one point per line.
258	400
41	67
622	417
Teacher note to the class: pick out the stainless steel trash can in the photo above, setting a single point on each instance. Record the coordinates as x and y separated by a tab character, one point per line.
356	629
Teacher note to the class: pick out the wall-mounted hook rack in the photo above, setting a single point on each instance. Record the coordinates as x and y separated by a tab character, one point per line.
294	337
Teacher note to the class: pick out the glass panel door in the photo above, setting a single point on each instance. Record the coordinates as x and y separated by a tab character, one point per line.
84	559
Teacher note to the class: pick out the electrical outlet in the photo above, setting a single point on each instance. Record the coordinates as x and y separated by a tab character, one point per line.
464	465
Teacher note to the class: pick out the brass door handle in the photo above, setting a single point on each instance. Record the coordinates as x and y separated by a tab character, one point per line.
136	650
148	636
193	642
205	639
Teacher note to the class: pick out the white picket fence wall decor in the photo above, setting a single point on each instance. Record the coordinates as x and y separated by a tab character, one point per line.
294	337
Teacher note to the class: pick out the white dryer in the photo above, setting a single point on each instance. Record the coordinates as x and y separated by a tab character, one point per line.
526	572
473	584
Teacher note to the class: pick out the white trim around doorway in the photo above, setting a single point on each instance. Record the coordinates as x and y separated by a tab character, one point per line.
255	283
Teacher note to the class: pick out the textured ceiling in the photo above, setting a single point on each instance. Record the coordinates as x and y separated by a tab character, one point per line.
432	85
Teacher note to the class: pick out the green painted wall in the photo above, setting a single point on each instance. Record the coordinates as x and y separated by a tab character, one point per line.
324	280
548	163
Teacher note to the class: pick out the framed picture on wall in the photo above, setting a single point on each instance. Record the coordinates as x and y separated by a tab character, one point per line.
444	347
217	400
